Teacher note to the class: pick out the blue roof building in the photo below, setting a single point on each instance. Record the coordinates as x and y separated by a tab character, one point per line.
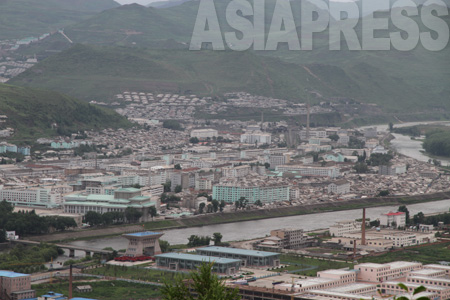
247	257
183	261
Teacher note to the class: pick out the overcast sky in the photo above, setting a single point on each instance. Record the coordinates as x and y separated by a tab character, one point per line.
142	2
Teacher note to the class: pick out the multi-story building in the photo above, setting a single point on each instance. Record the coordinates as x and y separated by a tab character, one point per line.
343	227
339	187
391	169
391	218
256	138
202	184
332	172
252	189
36	197
15	286
290	238
373	272
239	171
79	203
408	238
204	133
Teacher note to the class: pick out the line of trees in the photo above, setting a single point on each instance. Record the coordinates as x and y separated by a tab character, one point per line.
130	215
26	223
437	143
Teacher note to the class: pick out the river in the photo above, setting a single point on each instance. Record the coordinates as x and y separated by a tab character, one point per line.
260	228
405	145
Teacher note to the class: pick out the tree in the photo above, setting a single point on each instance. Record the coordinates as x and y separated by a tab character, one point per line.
152	211
416	291
217	238
242	202
194	140
204	284
361	167
3	236
164	245
404	209
258	203
132	214
383	193
177	167
178	189
419	218
391	126
215	205
167	186
334	137
93	218
172	124
267	165
209	208
222	205
201	207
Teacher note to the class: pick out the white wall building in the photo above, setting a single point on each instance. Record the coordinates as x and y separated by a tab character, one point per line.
343	227
204	133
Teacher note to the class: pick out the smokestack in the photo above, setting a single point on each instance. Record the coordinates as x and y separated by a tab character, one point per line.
354	249
70	282
363	228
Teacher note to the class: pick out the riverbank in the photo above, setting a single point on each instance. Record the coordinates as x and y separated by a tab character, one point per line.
239	216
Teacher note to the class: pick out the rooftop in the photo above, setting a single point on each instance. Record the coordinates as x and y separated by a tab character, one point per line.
11	274
144	233
200	258
238	251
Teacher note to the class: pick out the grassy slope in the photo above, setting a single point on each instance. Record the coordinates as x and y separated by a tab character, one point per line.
31	112
24	18
95	72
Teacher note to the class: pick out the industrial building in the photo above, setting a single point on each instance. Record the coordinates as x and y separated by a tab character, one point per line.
183	261
246	257
15	286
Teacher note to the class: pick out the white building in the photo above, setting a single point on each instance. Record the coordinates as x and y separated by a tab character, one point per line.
399	218
39	197
339	187
332	172
204	133
256	138
239	171
344	227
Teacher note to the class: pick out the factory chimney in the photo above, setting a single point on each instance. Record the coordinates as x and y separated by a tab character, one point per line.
70	282
363	228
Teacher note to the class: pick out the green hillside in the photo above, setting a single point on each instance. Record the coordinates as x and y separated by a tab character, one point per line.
32	112
94	72
24	18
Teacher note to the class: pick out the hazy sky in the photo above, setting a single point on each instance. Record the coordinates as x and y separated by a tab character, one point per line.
142	2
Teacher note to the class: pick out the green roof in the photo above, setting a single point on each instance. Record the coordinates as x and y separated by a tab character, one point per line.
96	197
128	190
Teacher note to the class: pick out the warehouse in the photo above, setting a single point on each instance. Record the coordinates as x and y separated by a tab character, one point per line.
248	258
183	261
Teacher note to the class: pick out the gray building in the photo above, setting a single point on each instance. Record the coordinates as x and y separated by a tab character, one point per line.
183	261
246	257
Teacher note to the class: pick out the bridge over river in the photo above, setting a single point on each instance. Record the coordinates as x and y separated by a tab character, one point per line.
71	248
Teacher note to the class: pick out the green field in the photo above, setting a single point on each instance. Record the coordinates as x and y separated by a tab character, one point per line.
309	266
104	290
429	254
136	273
